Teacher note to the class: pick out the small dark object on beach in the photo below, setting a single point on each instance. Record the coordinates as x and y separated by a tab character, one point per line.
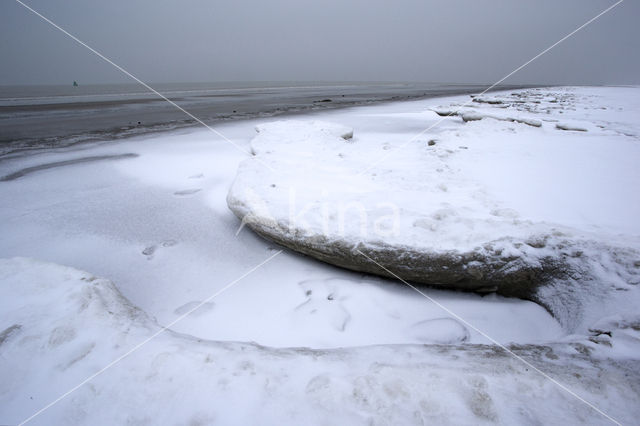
488	101
446	113
569	127
324	100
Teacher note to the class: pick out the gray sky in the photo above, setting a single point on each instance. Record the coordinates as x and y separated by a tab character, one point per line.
466	41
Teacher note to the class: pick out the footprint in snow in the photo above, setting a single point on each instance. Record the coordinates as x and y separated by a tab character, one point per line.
323	304
186	192
150	250
198	176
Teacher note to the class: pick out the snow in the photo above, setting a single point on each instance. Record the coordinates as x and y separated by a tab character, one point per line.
67	324
331	345
480	180
139	222
494	189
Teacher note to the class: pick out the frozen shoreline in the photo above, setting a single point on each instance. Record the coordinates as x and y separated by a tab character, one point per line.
157	226
56	117
69	324
473	207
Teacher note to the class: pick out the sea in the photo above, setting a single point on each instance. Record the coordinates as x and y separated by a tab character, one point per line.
44	117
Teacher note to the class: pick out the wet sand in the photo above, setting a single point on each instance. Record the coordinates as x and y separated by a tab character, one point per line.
54	117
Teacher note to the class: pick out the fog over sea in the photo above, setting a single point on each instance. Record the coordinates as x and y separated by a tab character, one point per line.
37	117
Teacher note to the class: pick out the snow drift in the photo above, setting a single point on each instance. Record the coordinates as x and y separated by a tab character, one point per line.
443	211
61	326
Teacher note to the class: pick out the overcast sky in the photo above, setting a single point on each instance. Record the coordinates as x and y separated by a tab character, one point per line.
466	41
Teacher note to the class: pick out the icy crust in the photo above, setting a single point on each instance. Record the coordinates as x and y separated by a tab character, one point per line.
572	285
60	325
423	213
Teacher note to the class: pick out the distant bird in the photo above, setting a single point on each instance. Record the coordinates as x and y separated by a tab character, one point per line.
75	83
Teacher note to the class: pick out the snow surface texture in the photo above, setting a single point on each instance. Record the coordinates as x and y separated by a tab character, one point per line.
150	215
60	325
499	202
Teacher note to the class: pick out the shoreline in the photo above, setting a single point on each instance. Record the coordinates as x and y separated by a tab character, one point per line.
32	128
160	244
138	210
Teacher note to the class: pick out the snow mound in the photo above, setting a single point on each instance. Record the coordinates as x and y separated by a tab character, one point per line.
60	326
291	133
425	214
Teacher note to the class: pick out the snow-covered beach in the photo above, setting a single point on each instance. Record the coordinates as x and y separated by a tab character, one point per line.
149	222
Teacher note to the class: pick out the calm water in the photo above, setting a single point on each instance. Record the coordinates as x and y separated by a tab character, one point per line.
35	117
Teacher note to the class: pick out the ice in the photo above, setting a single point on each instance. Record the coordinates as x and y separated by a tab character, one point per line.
498	202
61	326
122	219
331	346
